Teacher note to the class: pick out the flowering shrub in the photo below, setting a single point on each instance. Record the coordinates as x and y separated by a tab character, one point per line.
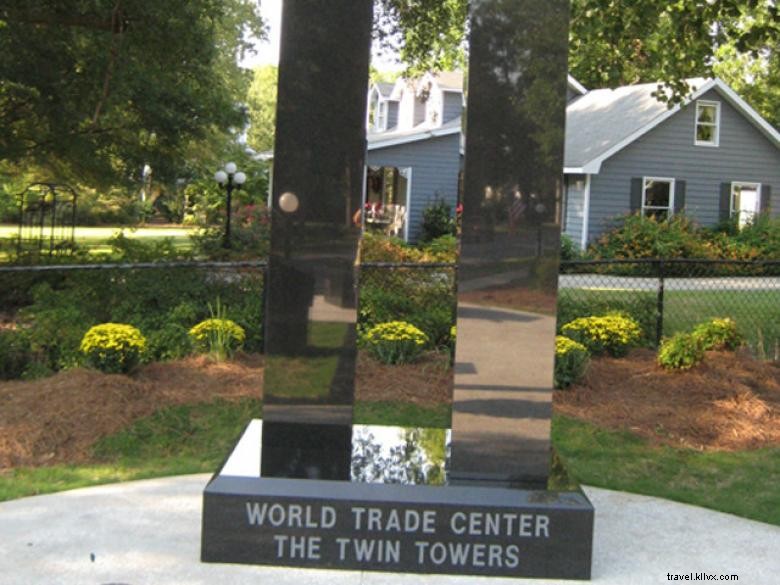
718	334
113	347
571	361
218	337
395	342
613	334
680	352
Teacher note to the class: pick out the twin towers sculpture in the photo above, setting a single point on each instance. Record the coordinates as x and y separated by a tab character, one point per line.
288	495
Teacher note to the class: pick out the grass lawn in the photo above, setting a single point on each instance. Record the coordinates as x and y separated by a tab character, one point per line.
96	238
196	439
742	483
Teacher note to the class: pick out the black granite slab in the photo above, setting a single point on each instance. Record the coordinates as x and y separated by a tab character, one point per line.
414	529
510	242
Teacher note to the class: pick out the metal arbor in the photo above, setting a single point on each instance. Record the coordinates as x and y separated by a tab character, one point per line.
47	219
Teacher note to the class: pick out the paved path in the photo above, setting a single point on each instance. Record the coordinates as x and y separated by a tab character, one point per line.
717	283
148	533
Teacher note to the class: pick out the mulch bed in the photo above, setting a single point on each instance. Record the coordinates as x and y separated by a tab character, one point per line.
59	419
729	402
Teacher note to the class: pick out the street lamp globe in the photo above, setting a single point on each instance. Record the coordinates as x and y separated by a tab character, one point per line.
231	168
221	177
239	178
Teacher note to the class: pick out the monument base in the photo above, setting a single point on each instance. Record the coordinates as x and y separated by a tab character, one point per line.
396	528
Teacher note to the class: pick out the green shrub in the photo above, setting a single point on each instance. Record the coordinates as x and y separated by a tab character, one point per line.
718	334
438	221
442	249
613	334
637	236
170	342
423	297
113	347
569	250
15	353
396	342
219	337
680	352
571	361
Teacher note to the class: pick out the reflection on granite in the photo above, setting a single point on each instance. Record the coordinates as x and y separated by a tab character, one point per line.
510	240
317	186
376	454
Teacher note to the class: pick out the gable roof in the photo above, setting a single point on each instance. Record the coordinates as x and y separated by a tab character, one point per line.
605	121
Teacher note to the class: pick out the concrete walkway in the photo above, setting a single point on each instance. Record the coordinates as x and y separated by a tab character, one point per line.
148	533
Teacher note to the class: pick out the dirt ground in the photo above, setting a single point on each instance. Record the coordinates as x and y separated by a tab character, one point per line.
730	402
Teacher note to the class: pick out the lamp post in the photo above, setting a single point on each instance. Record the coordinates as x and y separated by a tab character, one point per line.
230	178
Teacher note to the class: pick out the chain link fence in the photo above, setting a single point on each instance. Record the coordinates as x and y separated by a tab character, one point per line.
670	296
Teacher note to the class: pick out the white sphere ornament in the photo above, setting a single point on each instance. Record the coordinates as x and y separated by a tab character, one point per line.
288	202
239	178
231	168
221	177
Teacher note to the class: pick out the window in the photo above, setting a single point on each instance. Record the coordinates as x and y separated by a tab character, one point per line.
381	121
745	202
707	123
658	197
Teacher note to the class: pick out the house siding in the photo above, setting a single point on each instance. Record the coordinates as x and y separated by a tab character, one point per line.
743	154
435	166
453	106
574	208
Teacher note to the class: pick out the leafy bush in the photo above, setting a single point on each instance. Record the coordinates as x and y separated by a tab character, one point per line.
637	236
569	250
437	221
423	297
613	334
642	308
718	334
680	352
395	342
170	342
219	337
15	353
380	248
113	347
571	361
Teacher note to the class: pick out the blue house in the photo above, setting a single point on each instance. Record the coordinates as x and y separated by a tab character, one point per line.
712	157
414	150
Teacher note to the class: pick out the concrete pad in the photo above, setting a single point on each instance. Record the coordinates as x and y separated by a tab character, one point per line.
148	532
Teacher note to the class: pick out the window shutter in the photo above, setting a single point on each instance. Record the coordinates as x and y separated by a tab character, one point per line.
766	198
636	194
679	196
725	202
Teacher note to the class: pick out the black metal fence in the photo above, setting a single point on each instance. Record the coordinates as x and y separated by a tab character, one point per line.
669	296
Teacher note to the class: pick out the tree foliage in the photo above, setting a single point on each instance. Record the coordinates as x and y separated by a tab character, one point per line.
261	101
93	90
615	43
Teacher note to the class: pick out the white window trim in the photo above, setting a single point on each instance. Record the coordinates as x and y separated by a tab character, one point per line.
745	184
382	114
672	187
715	143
